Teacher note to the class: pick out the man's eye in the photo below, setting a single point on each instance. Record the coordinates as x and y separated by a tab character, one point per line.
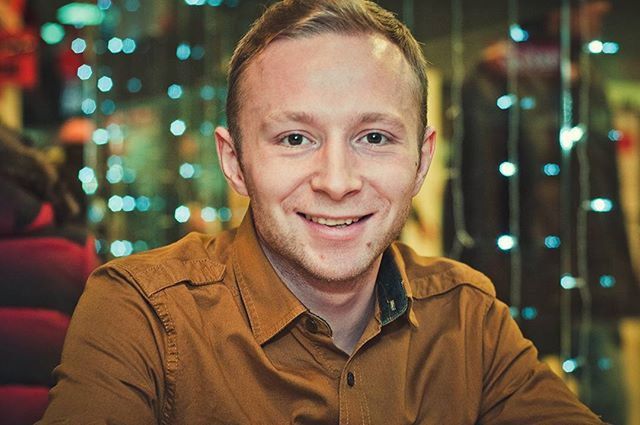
375	138
294	139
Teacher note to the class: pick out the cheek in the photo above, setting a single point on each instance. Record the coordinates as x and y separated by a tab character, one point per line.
396	181
276	179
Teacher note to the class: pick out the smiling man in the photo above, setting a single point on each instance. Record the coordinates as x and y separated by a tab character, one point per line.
309	313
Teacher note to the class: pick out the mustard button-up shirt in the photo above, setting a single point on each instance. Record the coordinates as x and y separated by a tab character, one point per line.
204	332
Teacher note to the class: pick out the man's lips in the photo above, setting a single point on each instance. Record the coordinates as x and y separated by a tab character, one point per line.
328	221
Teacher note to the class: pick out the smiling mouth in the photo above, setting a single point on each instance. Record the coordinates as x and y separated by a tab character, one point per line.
334	222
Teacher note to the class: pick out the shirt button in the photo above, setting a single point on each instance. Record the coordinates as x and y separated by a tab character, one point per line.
351	379
312	326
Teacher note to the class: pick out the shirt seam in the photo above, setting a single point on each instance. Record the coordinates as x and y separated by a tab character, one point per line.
344	403
362	390
171	346
484	320
172	356
452	288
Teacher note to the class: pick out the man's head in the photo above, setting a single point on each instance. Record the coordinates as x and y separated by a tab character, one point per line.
291	19
334	146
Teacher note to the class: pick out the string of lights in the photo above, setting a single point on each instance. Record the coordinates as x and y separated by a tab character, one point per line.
582	255
568	135
462	238
511	171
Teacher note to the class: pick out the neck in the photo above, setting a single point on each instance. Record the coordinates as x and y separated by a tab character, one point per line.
346	305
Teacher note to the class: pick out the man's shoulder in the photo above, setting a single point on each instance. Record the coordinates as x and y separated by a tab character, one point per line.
196	258
431	276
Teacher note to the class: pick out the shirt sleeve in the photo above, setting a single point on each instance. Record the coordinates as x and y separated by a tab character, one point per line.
517	388
111	370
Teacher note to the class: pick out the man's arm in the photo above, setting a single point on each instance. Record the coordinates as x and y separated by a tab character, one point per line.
517	388
112	368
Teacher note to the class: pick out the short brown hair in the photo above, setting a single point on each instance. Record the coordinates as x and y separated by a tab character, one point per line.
305	18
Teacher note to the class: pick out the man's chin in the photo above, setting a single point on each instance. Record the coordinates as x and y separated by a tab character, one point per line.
338	270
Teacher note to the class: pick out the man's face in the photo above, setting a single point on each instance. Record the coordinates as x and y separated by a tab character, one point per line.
330	155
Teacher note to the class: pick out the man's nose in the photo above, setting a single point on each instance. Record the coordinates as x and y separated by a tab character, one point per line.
336	171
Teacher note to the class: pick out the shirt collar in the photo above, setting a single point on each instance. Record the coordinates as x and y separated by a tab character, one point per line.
392	297
401	282
271	306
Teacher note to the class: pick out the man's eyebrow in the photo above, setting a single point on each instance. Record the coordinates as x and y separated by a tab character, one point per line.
377	117
296	116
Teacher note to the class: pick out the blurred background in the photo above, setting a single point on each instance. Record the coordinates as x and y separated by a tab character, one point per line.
107	113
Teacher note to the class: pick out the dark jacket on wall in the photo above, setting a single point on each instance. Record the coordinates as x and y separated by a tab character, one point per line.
610	279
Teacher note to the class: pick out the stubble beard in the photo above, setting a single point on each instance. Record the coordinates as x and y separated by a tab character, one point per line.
292	259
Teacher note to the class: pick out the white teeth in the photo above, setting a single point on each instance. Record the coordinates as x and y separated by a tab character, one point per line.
332	222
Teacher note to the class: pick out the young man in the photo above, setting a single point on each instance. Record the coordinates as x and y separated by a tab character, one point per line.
309	312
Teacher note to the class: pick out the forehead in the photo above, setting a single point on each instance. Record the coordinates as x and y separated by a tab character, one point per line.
365	73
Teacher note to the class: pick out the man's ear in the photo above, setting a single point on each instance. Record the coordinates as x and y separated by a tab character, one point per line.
229	161
426	155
